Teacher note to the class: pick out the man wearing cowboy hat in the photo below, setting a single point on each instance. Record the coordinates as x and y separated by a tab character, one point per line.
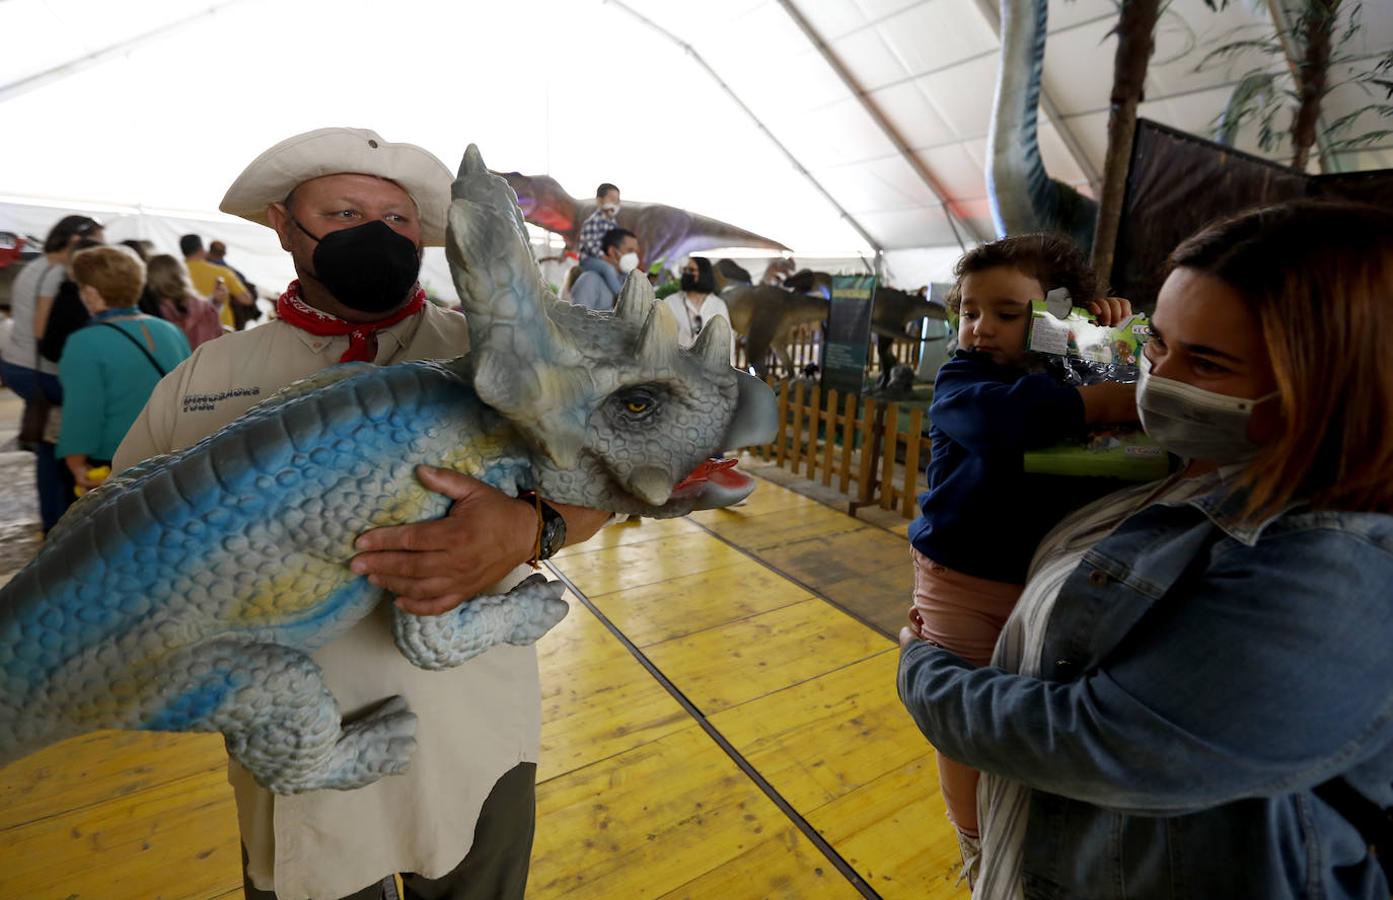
354	212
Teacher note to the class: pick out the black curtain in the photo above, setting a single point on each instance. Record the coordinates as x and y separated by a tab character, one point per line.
1178	183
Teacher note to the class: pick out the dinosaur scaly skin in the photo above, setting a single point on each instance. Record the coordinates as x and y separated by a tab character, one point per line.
187	593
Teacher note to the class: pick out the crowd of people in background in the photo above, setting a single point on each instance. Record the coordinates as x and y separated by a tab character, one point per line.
202	296
608	253
92	328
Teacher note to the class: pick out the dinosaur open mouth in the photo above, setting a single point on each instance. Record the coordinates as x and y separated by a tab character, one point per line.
718	477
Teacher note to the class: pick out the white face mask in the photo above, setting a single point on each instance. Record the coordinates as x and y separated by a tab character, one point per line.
628	262
611	208
1194	423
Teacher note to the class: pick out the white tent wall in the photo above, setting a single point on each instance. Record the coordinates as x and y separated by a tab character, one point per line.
585	91
575	89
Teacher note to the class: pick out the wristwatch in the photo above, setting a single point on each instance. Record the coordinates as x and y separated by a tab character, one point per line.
553	527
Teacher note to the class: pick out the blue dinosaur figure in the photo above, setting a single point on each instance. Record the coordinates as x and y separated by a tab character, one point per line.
187	593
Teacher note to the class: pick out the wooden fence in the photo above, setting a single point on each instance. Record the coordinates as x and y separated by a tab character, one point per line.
850	439
806	347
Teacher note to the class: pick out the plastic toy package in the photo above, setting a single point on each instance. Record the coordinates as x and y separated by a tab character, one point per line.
1075	349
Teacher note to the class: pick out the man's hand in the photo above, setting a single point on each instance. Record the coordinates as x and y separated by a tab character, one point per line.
907	637
432	567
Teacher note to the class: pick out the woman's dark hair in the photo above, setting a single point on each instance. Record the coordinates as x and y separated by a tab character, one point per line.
60	236
706	277
138	248
1051	259
1318	278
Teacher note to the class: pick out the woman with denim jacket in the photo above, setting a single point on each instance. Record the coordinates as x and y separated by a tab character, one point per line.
1193	665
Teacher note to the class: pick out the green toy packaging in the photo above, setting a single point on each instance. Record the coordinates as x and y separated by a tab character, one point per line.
1072	343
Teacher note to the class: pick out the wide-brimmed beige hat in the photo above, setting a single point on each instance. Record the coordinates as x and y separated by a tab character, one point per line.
333	151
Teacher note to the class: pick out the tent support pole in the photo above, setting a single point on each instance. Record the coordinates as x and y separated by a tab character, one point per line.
887	128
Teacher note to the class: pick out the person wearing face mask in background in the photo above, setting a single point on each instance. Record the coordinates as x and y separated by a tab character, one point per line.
592	235
354	212
697	302
619	250
1191	696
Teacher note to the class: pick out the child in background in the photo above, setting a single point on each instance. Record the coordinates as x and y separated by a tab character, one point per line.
983	515
592	232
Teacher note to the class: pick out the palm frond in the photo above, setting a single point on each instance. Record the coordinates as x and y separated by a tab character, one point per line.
1226	52
1344	122
1367	139
1253	94
1269	137
1354	25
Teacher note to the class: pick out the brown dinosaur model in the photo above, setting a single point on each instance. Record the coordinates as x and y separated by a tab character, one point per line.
767	317
664	232
894	312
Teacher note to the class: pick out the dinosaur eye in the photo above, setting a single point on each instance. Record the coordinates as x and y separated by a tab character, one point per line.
637	403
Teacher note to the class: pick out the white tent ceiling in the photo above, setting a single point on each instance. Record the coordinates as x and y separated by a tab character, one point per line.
589	91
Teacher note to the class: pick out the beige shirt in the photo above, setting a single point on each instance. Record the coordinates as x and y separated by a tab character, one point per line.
475	722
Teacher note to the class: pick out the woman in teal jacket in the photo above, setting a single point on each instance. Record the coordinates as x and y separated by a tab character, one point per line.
110	367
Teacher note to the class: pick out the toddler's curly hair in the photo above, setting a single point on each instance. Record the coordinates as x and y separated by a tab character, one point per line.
1051	259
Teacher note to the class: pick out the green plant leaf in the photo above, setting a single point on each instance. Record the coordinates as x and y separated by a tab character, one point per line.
1367	139
1253	93
1225	52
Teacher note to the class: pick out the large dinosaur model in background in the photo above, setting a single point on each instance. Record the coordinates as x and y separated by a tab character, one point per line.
894	311
1023	196
768	317
664	232
187	593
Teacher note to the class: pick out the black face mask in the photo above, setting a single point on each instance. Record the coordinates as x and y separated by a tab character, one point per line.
368	267
689	281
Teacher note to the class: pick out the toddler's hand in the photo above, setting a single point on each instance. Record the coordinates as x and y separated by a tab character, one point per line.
916	622
1111	310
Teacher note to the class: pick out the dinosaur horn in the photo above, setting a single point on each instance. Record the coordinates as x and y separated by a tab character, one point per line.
713	344
522	364
657	342
635	300
492	266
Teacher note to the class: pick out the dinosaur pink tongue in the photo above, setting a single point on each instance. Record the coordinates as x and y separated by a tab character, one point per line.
717	471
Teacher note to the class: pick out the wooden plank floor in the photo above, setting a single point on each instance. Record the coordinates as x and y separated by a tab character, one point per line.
636	798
